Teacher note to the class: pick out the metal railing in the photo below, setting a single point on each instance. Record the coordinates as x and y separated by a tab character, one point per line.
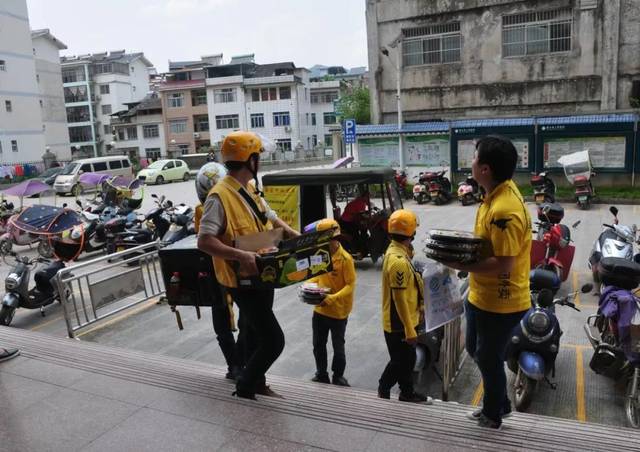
94	290
453	343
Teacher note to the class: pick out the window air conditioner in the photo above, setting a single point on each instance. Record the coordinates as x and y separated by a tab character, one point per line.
287	129
196	135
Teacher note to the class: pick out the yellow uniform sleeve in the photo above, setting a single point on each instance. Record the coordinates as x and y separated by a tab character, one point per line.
344	294
197	217
507	233
401	280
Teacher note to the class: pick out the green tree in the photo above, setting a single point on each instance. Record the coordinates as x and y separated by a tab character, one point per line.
355	104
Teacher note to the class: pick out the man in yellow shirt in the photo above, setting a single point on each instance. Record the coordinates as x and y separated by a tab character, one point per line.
332	314
499	285
402	304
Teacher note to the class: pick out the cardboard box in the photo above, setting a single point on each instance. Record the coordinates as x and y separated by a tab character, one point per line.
296	260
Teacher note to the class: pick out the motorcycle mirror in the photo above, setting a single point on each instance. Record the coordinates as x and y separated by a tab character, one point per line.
614	211
153	195
64	205
576	224
463	275
78	202
169	203
586	288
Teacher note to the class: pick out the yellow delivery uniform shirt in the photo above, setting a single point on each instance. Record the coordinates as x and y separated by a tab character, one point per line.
504	220
341	280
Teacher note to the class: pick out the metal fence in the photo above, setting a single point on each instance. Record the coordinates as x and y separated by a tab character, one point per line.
453	352
94	290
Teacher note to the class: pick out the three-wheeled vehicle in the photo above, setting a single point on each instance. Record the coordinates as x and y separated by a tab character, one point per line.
300	198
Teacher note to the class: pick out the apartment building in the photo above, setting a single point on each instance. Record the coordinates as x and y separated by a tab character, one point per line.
46	51
22	136
502	57
96	86
184	102
271	99
139	131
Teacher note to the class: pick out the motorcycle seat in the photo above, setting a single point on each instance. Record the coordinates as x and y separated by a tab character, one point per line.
43	276
619	272
543	279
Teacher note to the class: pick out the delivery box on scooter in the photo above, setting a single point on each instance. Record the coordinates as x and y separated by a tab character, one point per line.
618	272
282	263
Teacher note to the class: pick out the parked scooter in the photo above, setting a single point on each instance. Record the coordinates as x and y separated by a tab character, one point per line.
421	191
401	183
615	241
533	348
468	191
544	189
18	294
17	236
6	212
577	169
614	332
440	189
554	251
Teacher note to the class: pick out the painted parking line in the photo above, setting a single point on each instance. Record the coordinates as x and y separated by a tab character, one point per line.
477	395
575	289
581	412
48	322
117	319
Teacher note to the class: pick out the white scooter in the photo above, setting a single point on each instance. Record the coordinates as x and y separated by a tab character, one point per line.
614	241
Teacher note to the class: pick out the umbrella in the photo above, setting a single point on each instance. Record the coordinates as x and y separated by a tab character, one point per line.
94	179
344	161
27	188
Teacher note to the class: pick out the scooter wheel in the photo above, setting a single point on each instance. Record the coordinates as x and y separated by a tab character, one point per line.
523	391
5	247
632	403
44	249
6	315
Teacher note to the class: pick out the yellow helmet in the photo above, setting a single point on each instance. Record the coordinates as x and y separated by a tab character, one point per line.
240	145
324	225
403	222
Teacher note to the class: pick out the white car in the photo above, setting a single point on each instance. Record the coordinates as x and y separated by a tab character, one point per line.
162	171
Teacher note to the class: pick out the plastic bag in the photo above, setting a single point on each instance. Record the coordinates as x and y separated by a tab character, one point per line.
442	298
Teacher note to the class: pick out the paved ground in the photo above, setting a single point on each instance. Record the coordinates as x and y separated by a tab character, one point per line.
580	395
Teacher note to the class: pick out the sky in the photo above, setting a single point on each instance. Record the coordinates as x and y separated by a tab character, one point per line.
307	32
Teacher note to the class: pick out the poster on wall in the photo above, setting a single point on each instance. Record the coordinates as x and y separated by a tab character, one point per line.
378	151
466	149
428	151
604	152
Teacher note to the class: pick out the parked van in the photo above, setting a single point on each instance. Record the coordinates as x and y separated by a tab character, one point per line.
68	179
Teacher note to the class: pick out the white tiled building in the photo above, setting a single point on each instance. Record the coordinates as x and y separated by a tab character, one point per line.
22	137
46	51
271	99
95	87
139	131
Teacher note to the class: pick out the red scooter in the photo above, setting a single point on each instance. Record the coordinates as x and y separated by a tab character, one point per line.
554	252
401	183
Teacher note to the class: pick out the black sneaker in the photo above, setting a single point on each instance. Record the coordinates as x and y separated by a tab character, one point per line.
484	421
340	381
232	373
416	397
267	391
244	394
384	394
8	353
321	378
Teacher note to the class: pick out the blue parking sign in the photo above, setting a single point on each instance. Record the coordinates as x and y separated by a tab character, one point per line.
349	131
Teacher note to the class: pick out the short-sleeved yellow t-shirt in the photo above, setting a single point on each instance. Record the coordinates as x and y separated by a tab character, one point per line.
504	220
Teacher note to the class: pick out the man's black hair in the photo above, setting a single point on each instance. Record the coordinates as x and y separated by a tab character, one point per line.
500	154
399	237
234	166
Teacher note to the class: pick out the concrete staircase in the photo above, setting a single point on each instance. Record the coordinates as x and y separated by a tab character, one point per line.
315	415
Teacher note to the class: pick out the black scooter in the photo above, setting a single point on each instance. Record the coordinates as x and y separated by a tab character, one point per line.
18	294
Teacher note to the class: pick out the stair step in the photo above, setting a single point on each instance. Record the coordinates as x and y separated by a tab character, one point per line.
442	423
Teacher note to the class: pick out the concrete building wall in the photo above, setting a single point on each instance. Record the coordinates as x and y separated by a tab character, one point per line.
595	74
21	129
49	79
141	143
186	112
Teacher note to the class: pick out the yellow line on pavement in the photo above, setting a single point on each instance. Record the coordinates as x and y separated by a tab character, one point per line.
477	395
117	319
575	288
49	322
581	414
577	346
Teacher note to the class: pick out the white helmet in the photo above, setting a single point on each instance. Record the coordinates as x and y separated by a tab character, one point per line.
207	177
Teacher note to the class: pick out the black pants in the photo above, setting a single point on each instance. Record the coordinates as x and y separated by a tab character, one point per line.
486	341
322	325
262	337
222	327
400	367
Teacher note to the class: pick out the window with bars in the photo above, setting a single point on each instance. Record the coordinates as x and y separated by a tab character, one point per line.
227	122
257	120
150	131
224	95
433	44
324	98
176	100
178	125
281	118
284	145
329	118
537	32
